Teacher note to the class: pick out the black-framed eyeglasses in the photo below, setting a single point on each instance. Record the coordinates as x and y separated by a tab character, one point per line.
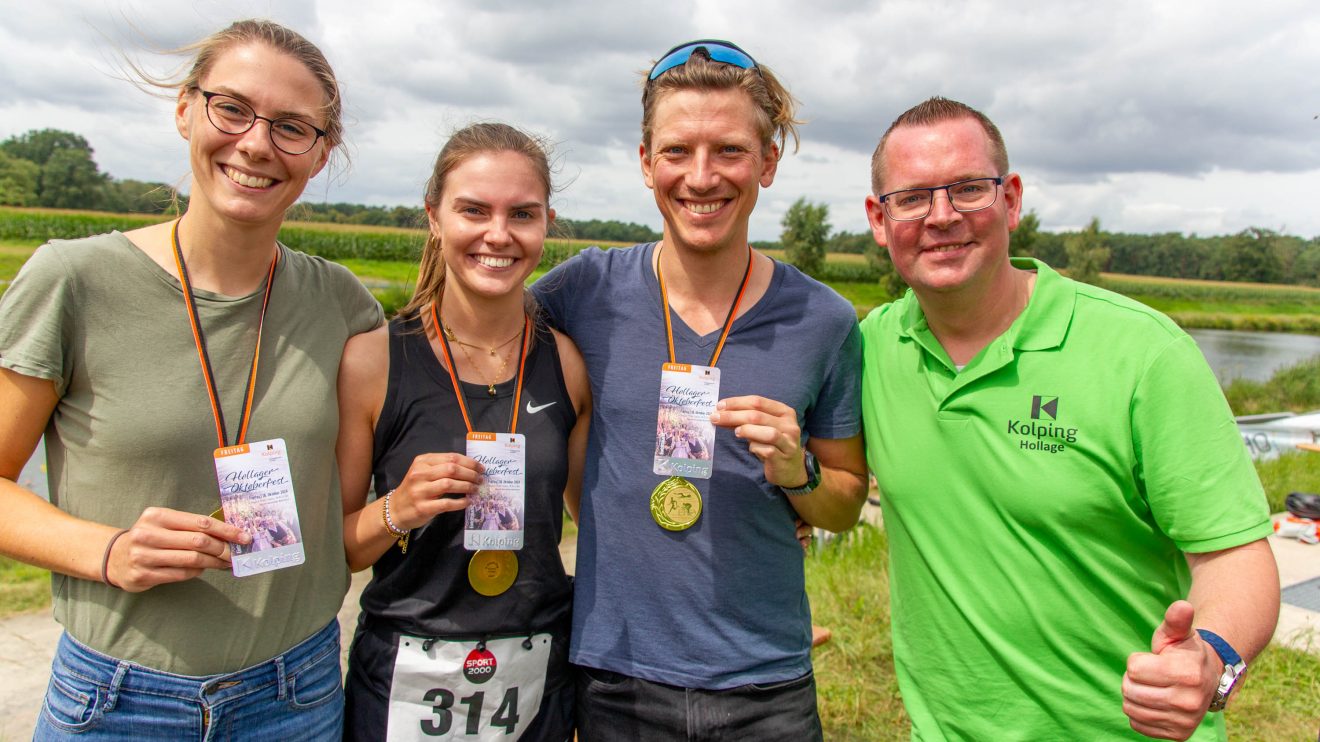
965	195
232	116
716	50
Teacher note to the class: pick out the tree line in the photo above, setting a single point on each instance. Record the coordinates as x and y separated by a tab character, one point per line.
1255	254
57	169
414	217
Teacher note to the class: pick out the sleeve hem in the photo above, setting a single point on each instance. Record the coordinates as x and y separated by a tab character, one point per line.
1245	536
34	371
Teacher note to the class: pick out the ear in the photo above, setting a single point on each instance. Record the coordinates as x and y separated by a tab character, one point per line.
181	113
432	221
1013	199
875	216
322	158
646	166
770	166
549	217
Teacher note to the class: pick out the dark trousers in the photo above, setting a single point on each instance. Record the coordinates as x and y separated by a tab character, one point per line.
611	706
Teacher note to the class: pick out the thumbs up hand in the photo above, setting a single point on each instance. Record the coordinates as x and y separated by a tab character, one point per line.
1167	691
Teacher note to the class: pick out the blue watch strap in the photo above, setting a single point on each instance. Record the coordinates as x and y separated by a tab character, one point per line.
1223	648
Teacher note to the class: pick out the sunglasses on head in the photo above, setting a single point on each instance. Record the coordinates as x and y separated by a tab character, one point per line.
715	50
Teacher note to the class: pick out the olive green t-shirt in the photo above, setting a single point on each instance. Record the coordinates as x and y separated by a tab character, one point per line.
133	428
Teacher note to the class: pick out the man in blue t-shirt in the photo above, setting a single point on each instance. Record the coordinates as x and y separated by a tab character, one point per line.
690	614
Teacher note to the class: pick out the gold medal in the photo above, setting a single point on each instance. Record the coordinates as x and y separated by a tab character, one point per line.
491	572
675	504
219	514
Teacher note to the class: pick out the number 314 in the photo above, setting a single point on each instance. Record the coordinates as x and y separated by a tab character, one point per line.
442	701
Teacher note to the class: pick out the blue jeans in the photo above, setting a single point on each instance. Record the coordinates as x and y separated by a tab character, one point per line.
295	696
612	706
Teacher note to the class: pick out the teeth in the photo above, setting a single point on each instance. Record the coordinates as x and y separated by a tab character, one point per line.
251	181
490	261
704	208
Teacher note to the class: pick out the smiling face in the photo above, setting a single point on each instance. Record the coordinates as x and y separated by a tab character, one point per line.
243	177
491	221
948	251
706	163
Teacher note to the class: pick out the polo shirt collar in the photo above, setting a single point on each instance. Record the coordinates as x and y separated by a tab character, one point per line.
1045	321
1041	326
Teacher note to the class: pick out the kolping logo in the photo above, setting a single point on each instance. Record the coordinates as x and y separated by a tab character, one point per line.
479	666
1046	405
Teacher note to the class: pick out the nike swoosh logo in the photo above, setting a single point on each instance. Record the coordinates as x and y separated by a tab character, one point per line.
532	410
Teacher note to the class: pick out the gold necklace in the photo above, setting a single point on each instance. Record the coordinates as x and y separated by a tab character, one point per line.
504	361
449	333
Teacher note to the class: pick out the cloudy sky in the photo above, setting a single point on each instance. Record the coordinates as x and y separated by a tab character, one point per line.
1187	116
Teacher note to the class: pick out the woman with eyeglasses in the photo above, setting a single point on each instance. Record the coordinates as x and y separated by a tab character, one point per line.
153	361
470	417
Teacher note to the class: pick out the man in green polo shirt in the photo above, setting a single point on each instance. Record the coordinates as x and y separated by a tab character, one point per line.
1076	533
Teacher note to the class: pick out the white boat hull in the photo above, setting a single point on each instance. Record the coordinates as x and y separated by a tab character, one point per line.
1268	436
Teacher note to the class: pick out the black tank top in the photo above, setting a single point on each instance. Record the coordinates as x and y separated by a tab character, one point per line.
425	592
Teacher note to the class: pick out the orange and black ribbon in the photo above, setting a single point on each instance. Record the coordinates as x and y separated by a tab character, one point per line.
221	433
728	321
453	375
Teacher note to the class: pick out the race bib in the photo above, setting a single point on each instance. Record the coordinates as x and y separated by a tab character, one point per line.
256	494
684	434
466	690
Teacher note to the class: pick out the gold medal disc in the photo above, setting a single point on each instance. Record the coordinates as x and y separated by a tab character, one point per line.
675	504
491	572
219	514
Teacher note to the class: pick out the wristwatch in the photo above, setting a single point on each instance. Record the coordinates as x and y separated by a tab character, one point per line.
813	476
1234	668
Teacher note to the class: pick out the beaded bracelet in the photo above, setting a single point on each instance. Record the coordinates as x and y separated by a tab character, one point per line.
399	534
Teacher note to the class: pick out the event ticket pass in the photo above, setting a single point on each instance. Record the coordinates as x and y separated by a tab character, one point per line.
256	493
495	513
684	434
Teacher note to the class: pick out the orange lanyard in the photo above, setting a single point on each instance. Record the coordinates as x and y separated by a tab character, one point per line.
208	373
453	376
728	321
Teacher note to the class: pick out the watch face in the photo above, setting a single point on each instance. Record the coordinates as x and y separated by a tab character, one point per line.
1227	682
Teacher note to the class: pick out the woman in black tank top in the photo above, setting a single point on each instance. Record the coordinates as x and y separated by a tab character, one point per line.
473	437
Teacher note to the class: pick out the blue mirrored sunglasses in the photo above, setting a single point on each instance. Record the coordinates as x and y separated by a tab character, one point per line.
715	49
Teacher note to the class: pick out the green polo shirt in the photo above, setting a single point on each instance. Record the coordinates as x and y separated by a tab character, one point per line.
1038	503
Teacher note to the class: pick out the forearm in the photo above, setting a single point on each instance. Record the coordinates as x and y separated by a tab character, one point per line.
365	537
1236	595
35	532
836	504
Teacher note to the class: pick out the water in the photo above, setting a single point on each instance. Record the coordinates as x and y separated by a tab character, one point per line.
1231	353
1256	356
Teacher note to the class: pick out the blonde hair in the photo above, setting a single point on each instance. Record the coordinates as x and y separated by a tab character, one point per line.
933	111
775	106
203	53
463	144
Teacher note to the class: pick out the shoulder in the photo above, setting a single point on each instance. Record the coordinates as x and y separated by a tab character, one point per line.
809	295
94	251
595	261
328	283
886	316
366	358
1095	304
315	267
574	368
65	268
